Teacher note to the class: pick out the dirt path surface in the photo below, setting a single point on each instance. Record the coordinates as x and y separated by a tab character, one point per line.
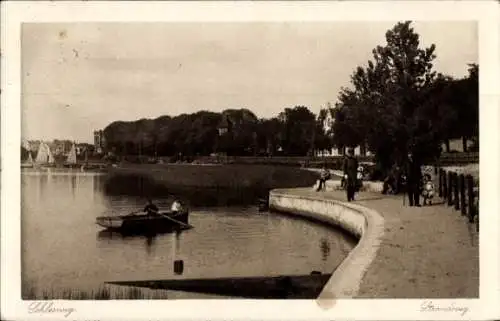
426	252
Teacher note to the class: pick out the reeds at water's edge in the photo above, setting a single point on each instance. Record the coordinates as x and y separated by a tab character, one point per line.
102	293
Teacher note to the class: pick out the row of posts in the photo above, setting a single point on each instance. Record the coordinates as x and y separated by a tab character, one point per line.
458	191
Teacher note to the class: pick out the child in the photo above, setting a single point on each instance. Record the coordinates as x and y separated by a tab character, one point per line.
325	175
359	178
428	189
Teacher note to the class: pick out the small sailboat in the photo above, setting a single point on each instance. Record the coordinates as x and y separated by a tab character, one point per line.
44	156
71	160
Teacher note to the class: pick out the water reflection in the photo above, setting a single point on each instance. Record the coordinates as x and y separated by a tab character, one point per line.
43	185
109	237
325	249
149	244
73	185
177	241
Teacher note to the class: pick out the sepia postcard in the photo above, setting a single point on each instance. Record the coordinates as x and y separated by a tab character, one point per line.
259	160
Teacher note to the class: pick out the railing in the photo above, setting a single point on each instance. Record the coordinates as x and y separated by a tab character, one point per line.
459	158
458	191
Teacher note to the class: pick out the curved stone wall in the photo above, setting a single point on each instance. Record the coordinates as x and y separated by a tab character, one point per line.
368	186
365	224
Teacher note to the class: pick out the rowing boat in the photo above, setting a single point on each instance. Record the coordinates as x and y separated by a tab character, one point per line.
144	223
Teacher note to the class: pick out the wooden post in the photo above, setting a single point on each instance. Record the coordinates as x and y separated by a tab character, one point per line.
445	186
450	189
456	191
462	195
178	266
470	197
440	184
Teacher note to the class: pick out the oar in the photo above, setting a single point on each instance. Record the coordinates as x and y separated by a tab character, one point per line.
133	213
175	221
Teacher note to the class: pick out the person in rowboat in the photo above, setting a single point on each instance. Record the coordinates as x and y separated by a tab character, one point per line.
151	209
176	207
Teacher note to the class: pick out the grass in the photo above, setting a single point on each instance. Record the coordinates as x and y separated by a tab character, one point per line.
233	175
101	293
218	185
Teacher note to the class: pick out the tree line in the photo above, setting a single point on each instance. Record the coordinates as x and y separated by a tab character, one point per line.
295	132
395	103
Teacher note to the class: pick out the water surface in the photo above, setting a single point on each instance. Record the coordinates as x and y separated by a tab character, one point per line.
63	248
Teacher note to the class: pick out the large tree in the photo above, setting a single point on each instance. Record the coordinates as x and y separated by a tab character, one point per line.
322	137
242	137
299	128
465	97
381	106
270	135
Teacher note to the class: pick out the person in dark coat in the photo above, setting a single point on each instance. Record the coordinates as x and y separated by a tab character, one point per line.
392	181
413	179
350	168
151	209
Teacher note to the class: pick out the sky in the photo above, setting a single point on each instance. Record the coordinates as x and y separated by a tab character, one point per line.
79	77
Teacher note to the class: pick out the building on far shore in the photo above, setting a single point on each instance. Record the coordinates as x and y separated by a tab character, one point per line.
327	125
456	145
99	141
341	151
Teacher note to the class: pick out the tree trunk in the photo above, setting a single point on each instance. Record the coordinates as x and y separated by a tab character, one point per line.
362	149
447	145
464	144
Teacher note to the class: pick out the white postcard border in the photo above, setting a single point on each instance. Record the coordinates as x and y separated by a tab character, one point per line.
485	12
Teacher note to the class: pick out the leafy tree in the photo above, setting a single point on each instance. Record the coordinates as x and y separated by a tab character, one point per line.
381	108
466	99
270	135
348	129
24	153
323	140
241	139
299	126
186	134
454	104
117	134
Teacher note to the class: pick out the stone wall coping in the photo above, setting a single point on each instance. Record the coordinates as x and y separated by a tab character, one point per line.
346	279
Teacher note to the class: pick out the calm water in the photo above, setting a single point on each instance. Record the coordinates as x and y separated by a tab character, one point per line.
63	247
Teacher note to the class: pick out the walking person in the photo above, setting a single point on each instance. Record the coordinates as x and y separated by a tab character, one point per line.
350	168
413	179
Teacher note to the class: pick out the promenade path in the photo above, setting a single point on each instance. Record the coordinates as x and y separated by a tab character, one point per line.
426	252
